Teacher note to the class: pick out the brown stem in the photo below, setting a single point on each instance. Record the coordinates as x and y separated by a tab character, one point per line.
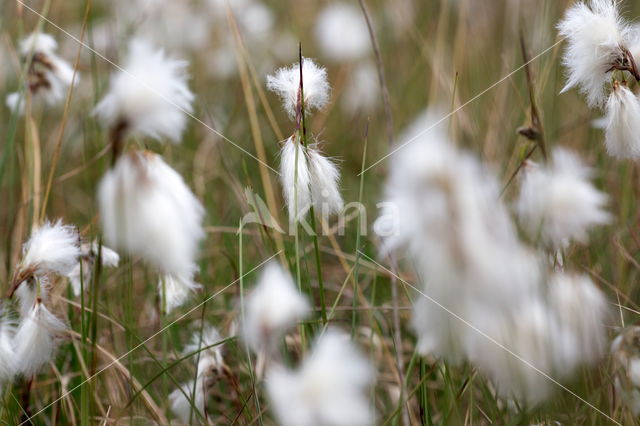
116	136
536	121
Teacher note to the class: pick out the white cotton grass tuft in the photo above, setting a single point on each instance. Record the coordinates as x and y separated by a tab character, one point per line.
313	182
295	177
625	354
149	96
81	274
341	32
596	36
183	400
8	358
273	306
286	83
581	308
49	76
444	214
174	290
53	248
206	347
147	210
324	184
621	124
29	291
331	387
36	339
558	203
362	90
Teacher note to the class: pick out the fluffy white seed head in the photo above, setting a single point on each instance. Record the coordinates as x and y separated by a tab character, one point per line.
272	307
53	248
206	342
558	203
7	351
49	76
324	183
184	402
36	339
330	388
175	290
582	309
286	84
147	210
625	354
149	96
622	127
81	274
362	91
341	32
295	178
595	34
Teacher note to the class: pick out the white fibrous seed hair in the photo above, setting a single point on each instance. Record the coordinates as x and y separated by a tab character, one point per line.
596	36
48	77
622	127
175	290
295	178
362	90
7	351
272	307
53	248
29	291
558	203
147	210
36	339
470	262
205	346
286	83
341	32
149	96
80	275
625	354
331	387
581	308
208	343
183	401
324	183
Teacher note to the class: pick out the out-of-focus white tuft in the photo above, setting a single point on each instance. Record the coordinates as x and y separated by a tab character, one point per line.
7	351
482	293
208	345
286	83
205	347
272	307
621	124
558	203
48	77
330	388
147	210
625	352
362	91
149	96
595	36
36	339
324	184
81	274
582	309
174	290
184	402
295	178
341	32
52	248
